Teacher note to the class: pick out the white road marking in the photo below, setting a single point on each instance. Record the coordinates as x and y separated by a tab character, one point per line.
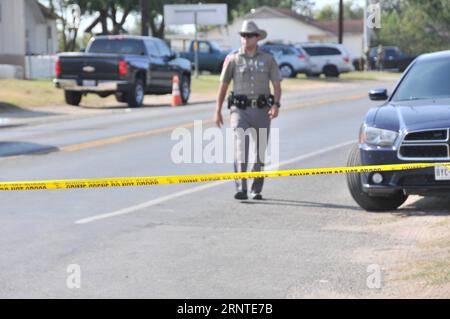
166	198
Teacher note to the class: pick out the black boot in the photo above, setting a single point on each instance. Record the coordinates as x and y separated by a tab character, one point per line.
256	196
241	195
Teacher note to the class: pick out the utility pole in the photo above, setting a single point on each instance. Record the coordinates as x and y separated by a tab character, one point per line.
341	21
144	17
366	37
196	73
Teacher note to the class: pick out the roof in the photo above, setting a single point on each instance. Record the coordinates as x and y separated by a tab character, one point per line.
305	19
48	14
350	26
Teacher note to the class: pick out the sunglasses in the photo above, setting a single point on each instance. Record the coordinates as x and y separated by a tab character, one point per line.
249	35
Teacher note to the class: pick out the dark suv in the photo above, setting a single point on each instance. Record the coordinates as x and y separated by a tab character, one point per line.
127	66
411	126
393	59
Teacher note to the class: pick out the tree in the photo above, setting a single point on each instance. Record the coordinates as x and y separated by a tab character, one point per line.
117	11
156	18
68	30
352	11
328	12
304	7
416	26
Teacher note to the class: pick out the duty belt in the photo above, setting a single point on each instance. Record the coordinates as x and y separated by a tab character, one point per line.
242	101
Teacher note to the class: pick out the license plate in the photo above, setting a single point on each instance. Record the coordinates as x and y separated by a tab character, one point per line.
89	83
441	173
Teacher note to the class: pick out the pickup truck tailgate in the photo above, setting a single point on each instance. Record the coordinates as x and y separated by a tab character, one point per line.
90	66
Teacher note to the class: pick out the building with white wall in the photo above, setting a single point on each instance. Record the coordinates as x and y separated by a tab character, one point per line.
287	26
27	28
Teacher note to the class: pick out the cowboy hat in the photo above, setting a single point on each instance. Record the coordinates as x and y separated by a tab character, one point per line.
251	27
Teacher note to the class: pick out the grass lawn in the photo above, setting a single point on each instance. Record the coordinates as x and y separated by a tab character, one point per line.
210	83
21	93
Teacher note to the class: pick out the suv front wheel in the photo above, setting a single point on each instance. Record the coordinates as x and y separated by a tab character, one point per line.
369	203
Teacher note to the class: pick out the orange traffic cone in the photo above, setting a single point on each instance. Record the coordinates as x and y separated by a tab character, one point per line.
176	97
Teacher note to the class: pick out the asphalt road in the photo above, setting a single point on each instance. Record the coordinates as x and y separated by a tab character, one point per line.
183	241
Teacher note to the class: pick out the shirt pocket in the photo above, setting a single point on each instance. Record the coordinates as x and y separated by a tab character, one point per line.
263	67
241	70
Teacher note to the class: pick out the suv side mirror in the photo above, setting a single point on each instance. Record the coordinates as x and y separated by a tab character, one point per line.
379	94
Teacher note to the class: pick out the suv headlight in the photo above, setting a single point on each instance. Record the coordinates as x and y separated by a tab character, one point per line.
376	136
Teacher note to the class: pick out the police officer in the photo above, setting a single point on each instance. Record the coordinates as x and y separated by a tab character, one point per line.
251	104
380	58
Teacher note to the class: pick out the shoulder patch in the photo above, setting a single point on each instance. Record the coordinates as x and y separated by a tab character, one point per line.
228	58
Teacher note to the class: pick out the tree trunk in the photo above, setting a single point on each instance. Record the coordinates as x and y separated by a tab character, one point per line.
104	21
74	40
118	25
63	34
157	31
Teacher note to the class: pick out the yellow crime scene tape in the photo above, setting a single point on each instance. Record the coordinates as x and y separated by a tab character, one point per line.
197	178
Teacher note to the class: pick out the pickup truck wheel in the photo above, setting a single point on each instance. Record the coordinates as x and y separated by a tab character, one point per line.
369	203
185	88
135	97
72	97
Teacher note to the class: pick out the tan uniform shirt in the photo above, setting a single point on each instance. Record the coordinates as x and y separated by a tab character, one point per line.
251	75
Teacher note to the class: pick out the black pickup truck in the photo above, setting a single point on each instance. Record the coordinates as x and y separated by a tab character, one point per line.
127	66
210	56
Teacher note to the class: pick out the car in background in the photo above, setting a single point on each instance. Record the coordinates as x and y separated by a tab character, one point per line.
413	125
210	56
290	60
127	66
394	59
327	58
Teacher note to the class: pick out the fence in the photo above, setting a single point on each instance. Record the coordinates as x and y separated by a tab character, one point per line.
11	71
40	67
